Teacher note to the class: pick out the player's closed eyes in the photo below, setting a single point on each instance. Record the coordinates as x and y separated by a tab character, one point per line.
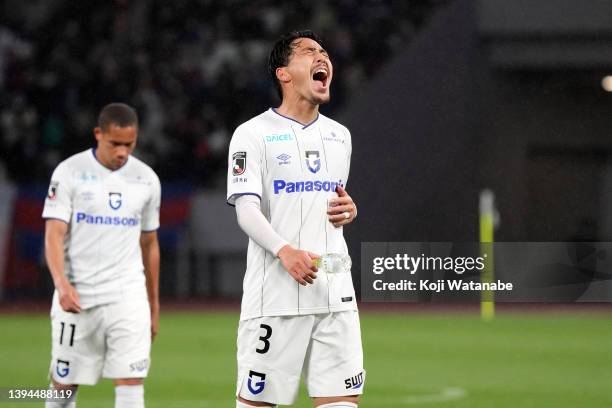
312	50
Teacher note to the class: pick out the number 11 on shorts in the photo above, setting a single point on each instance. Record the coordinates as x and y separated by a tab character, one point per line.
73	328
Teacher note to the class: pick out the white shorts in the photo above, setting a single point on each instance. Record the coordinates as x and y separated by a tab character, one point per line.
111	340
273	352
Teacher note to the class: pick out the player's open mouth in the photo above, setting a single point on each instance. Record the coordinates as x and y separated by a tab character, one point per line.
320	77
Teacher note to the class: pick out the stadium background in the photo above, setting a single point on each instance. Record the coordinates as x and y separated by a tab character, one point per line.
443	98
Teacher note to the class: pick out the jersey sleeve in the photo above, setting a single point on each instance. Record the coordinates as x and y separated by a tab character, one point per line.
244	174
150	212
58	204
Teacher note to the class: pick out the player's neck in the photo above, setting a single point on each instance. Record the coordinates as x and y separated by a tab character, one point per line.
302	111
103	162
100	159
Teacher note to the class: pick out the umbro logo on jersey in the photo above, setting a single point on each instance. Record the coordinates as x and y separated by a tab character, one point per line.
256	387
238	163
284	158
114	200
313	161
87	195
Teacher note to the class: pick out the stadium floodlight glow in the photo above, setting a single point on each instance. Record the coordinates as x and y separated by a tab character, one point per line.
606	83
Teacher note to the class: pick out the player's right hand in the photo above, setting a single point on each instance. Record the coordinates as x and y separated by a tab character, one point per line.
69	298
299	264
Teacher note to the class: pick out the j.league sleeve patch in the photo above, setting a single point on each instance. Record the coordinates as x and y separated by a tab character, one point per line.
238	163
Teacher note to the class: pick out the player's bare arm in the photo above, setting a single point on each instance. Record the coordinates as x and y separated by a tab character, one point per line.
55	233
150	258
342	210
299	264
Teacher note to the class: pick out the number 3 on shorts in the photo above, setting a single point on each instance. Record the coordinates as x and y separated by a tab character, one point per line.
265	339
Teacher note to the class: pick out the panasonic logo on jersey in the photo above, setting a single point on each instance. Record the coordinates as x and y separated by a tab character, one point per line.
106	220
284	186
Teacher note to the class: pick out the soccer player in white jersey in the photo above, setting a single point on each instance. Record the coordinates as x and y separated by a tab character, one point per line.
102	216
288	169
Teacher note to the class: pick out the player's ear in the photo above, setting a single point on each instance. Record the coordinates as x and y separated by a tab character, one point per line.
283	74
98	133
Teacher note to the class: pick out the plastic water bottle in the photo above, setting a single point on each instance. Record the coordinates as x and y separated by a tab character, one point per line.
334	263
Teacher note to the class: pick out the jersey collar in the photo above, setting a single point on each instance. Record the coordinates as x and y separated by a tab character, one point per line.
304	126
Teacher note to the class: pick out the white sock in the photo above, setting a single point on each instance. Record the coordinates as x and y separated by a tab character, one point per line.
339	404
62	403
240	404
129	396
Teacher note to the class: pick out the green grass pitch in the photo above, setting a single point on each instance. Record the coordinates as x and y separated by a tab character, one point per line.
423	360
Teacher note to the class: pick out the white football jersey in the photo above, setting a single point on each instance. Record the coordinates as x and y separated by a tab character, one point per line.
106	210
294	169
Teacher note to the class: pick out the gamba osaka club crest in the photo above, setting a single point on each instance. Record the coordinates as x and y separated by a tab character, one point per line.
256	382
313	161
62	368
114	200
238	163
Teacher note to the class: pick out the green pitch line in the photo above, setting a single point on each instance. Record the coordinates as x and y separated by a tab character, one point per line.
412	361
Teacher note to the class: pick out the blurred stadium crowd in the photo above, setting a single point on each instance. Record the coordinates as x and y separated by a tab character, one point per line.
194	69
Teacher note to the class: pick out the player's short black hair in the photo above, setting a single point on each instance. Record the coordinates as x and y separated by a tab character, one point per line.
118	114
282	50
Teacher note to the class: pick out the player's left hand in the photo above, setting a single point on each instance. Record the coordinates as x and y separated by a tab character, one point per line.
342	210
